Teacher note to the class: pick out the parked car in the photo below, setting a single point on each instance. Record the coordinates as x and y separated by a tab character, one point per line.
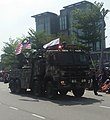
6	77
1	76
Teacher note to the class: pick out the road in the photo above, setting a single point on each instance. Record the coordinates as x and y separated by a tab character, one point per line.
27	107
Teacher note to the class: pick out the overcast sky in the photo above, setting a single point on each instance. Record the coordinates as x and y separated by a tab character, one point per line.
15	16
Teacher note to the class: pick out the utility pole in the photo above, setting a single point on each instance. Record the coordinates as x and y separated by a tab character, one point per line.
104	12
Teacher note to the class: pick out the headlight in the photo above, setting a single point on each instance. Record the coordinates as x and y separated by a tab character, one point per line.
73	81
83	80
62	82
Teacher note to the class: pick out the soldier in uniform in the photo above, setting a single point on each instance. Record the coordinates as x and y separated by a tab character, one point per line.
95	81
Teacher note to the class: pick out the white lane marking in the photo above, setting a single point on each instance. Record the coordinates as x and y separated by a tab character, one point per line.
13	108
105	107
38	116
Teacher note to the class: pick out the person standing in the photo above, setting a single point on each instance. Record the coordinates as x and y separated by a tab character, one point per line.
95	82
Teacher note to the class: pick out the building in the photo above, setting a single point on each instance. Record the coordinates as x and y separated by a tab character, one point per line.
51	23
66	20
47	22
66	17
95	55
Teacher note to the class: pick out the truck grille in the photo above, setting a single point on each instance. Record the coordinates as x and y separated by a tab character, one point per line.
74	75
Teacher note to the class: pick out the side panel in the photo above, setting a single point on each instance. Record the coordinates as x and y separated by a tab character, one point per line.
24	75
25	78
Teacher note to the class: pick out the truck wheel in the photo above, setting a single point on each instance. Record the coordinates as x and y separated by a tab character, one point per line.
17	87
63	92
37	89
78	92
50	91
12	86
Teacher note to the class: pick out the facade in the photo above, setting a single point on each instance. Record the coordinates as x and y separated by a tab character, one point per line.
95	56
66	19
47	22
51	23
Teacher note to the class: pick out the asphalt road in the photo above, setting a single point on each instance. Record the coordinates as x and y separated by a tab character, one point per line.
27	107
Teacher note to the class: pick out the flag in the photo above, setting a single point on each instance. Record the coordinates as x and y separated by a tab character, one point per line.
26	43
18	49
52	43
27	46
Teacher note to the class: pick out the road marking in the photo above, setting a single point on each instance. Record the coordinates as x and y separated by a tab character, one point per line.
38	116
13	108
105	107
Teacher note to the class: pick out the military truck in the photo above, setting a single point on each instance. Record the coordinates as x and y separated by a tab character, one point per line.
51	72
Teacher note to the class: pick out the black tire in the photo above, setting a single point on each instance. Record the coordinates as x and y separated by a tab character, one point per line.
50	91
17	86
36	89
78	92
63	92
12	86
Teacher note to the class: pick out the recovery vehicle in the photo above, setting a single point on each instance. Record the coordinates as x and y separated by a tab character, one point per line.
53	71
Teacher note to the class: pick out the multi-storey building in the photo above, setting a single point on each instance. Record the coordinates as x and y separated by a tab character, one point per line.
47	22
51	23
67	18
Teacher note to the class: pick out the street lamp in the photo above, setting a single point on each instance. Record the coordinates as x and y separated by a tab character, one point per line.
104	12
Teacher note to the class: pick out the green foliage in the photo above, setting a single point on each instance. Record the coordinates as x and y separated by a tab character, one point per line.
87	23
65	38
39	39
8	57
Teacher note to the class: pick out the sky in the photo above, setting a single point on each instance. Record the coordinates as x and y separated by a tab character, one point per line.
16	20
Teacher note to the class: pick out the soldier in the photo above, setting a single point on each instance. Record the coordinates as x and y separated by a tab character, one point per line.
95	81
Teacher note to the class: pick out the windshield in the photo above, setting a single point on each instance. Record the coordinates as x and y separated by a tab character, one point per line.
70	58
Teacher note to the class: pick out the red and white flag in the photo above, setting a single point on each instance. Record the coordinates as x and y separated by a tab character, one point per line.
52	43
18	49
27	46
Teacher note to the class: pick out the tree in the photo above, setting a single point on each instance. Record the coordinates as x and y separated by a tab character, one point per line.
87	24
9	56
65	38
39	39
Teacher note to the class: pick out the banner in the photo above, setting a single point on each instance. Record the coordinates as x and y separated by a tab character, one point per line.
25	44
52	43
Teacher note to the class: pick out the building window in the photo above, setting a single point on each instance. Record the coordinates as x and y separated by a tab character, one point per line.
63	23
97	45
47	25
91	46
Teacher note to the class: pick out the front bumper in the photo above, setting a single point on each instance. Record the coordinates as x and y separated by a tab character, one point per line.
70	83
